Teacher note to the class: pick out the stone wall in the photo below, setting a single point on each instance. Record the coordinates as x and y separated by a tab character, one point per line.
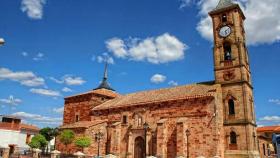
81	105
197	115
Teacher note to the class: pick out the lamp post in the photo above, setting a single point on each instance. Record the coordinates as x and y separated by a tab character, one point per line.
188	133
98	137
2	41
146	126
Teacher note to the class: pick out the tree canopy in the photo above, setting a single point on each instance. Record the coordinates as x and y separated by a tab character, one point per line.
38	141
47	132
83	142
67	136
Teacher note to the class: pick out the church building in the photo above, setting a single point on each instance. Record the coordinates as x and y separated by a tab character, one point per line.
209	119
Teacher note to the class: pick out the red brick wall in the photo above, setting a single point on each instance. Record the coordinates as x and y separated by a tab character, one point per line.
81	105
199	113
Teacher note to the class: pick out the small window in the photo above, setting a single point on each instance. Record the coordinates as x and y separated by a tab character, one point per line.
233	138
124	120
224	18
227	51
231	107
77	118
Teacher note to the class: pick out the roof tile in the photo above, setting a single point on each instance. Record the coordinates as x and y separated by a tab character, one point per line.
160	95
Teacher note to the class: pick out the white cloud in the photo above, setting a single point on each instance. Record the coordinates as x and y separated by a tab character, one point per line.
33	82
271	119
69	80
38	118
45	92
275	101
26	78
158	78
173	83
66	89
56	80
262	24
58	110
11	101
118	47
25	54
185	3
38	57
105	57
33	8
162	49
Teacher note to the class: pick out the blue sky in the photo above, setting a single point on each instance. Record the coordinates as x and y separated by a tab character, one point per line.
56	48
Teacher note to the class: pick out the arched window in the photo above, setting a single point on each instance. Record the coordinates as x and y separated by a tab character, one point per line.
224	18
231	107
227	51
233	138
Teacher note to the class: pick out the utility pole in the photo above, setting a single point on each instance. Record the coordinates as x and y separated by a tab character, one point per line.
98	137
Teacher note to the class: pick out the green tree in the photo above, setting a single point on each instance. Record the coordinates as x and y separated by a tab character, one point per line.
38	141
66	137
47	132
83	142
34	144
55	133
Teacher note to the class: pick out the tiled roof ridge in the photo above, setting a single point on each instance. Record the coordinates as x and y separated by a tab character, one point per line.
269	128
89	92
157	101
188	91
166	88
28	126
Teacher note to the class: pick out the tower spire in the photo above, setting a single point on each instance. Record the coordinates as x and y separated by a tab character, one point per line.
224	4
104	84
105	76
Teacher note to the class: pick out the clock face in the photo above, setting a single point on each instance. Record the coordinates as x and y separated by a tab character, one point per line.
225	31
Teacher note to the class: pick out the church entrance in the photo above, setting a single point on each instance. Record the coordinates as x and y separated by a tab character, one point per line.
139	151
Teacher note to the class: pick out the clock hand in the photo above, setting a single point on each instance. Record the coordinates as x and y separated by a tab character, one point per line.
227	30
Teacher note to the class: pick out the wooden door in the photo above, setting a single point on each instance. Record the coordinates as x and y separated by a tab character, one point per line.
139	151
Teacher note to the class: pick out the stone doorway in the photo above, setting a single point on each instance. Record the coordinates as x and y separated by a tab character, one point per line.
139	151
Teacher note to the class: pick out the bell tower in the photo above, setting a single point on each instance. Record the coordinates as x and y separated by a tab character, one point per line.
232	71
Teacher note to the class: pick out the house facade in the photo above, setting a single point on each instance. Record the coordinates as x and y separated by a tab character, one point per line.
15	135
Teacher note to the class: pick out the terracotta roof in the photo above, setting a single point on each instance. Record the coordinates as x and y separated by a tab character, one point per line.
82	124
160	95
29	127
272	129
102	91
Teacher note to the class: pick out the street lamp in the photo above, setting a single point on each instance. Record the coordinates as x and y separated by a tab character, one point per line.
2	41
98	137
188	133
146	126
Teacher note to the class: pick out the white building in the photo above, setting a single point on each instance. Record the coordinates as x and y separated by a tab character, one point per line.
14	134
